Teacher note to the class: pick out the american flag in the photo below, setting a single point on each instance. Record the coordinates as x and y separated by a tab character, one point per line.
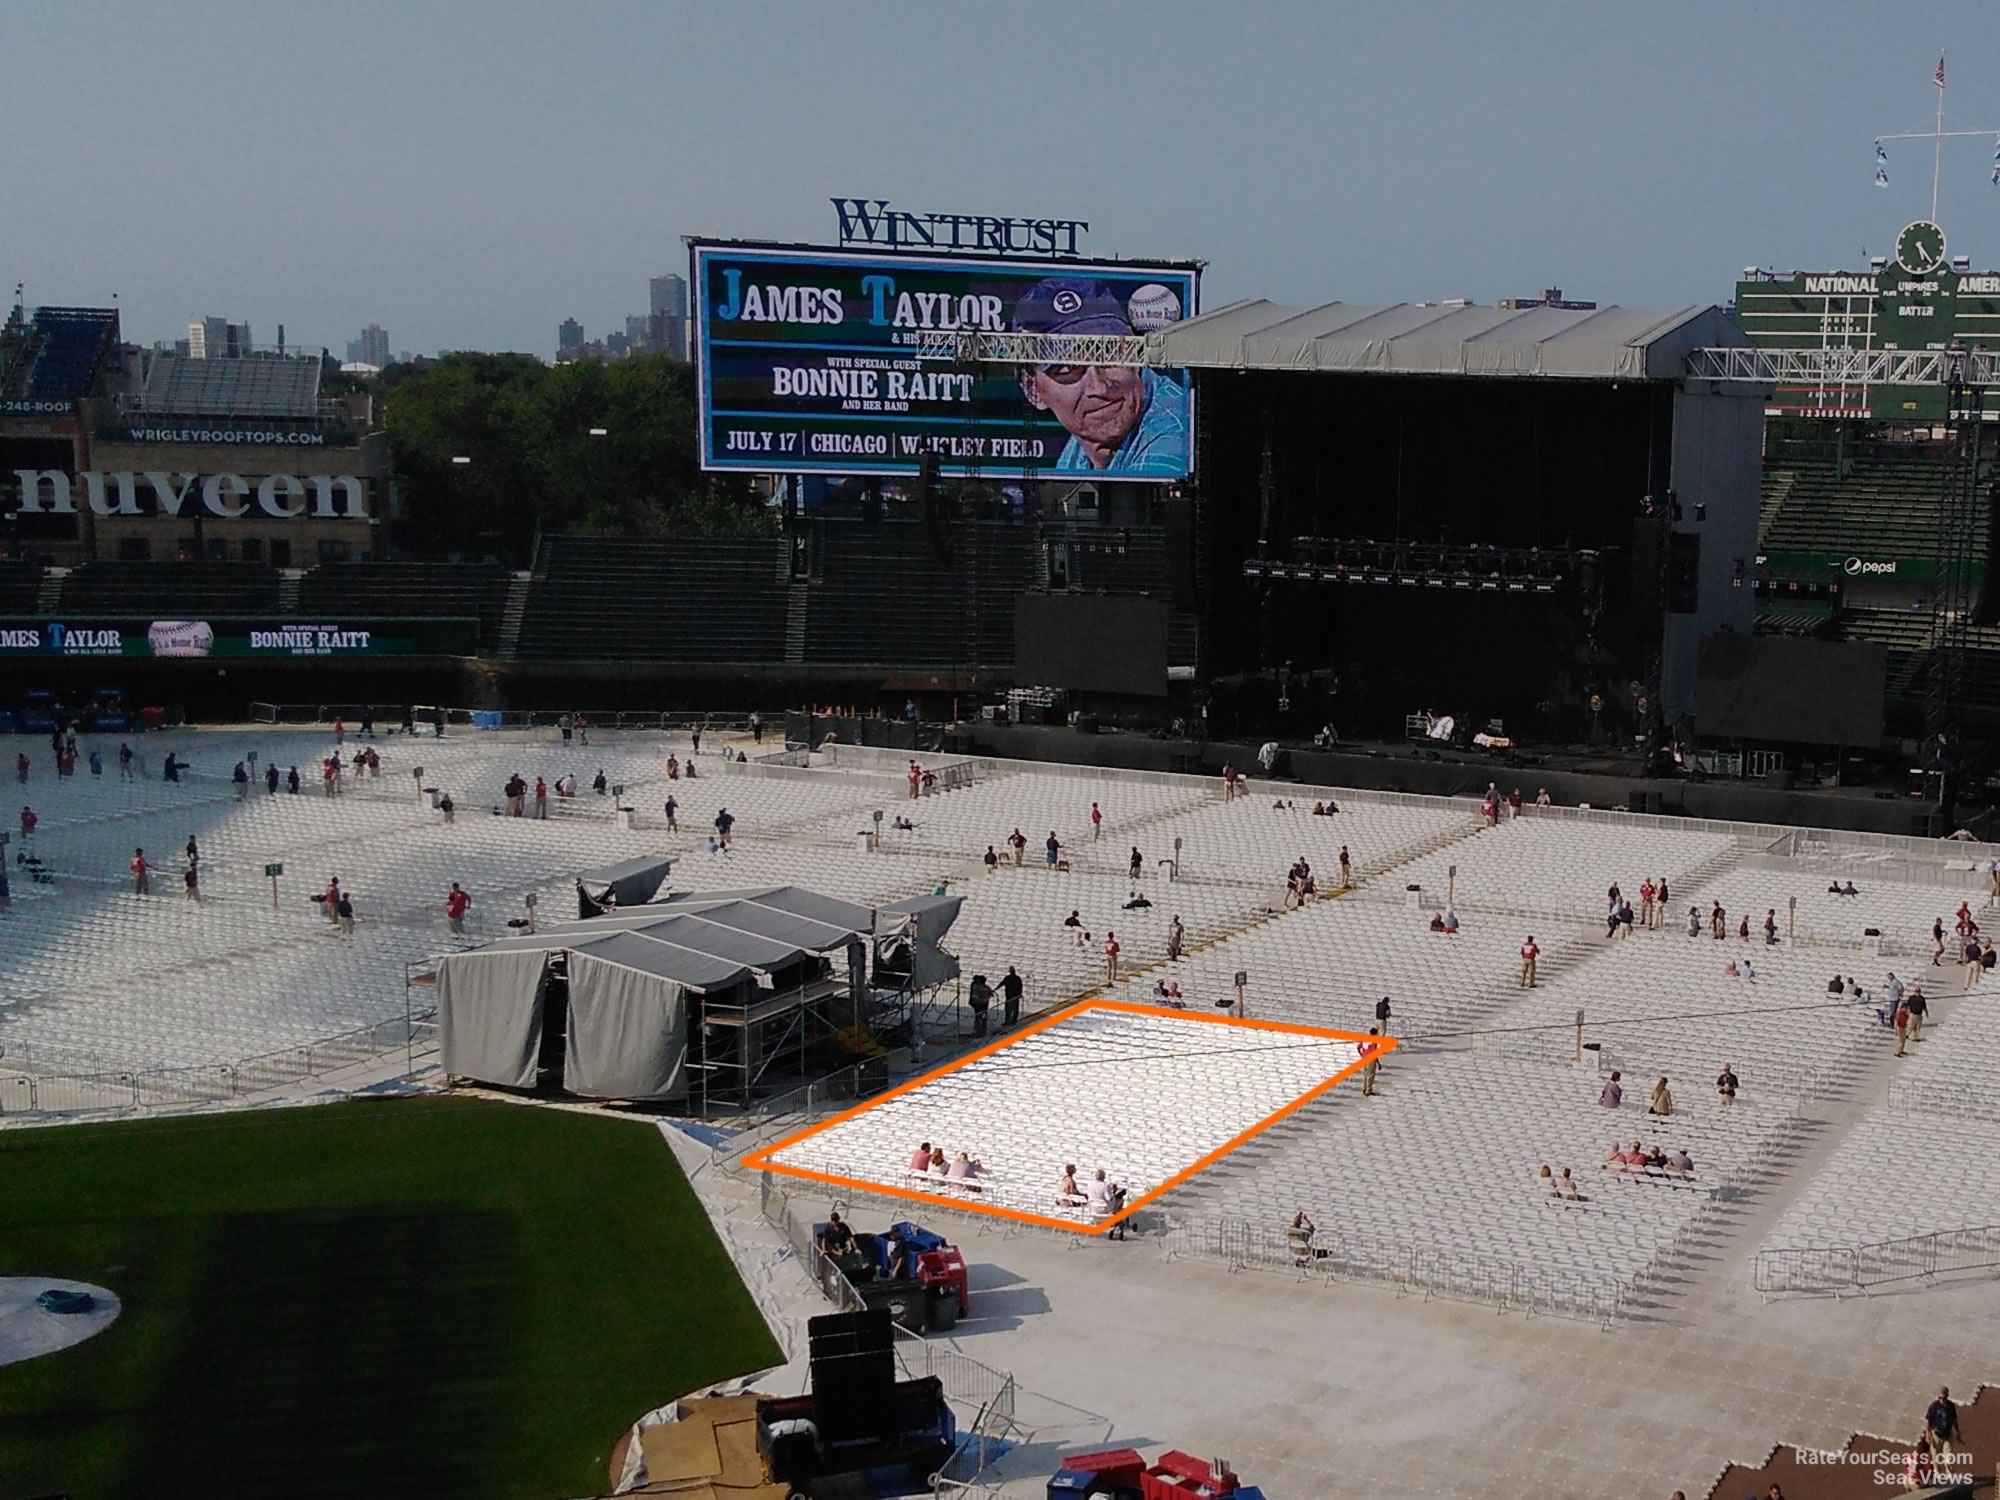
1940	72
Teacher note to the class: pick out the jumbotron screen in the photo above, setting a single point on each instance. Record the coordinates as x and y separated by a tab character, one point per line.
806	362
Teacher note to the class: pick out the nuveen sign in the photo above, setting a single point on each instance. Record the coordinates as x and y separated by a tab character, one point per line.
281	497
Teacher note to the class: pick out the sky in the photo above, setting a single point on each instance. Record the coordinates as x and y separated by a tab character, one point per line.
470	174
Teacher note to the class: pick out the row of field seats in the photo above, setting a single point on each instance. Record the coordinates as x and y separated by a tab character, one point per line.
1562	866
1901	912
1141	1097
1249	839
963	822
1662	1000
1328	963
1481	1128
1016	917
1894	1176
129	982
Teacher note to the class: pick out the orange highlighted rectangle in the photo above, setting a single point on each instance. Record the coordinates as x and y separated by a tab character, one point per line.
765	1159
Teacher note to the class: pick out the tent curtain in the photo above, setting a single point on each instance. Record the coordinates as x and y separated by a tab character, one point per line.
490	1015
627	1033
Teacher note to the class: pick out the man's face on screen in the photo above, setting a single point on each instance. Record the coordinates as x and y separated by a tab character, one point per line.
1096	404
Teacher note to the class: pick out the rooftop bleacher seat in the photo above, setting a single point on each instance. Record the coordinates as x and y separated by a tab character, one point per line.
164	588
475	590
687	599
73	343
253	386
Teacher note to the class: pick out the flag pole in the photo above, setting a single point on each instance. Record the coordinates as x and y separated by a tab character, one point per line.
1937	144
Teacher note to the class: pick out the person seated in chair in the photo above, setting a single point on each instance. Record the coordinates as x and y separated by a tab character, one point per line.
939	1167
1068	1194
903	825
1450	923
966	1169
1437	921
1678	1163
920	1159
1105	1199
1137	902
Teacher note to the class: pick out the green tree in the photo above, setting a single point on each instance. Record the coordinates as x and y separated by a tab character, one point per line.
534	463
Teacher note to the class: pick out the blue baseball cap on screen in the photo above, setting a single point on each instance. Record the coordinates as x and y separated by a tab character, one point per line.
1063	304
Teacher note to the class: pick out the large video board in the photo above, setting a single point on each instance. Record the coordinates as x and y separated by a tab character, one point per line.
807	363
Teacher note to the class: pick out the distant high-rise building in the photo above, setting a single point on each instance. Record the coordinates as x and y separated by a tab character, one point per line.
218	338
668	324
570	335
636	332
354	351
375	346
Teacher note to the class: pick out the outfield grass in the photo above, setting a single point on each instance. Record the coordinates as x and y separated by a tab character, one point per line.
428	1297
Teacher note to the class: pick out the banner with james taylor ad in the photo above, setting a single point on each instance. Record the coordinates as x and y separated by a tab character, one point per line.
807	364
198	639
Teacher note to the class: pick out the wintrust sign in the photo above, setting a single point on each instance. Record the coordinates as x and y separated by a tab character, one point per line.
281	497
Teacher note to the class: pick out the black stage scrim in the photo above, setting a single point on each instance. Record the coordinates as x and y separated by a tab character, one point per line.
1091	643
1795	691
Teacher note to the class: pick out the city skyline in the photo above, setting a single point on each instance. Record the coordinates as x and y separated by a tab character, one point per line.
1640	156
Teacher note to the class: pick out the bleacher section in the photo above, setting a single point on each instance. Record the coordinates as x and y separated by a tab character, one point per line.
73	342
20	582
409	588
258	386
161	589
1907	635
1878	502
887	592
693	599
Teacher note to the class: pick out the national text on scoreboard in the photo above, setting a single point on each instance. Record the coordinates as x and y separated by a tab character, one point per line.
807	362
1888	307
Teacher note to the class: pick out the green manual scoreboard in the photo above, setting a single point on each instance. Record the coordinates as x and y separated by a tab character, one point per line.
1921	298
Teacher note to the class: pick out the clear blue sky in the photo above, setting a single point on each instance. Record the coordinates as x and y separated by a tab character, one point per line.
471	174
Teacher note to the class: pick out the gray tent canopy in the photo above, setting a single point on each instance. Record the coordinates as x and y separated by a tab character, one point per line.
630	882
907	934
643	980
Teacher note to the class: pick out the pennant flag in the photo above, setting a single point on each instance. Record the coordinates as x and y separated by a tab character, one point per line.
1883	156
1939	80
1882	177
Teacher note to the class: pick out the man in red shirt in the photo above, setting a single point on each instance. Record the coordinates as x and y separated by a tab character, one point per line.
332	902
1529	953
28	822
1111	952
916	776
456	904
139	867
1096	820
1371	1060
541	801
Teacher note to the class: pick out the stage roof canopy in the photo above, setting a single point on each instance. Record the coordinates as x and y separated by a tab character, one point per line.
1607	343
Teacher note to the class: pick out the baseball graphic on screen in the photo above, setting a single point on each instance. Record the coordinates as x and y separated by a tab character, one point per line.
1152	306
181	637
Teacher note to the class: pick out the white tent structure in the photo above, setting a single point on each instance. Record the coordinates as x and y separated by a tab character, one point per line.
691	997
